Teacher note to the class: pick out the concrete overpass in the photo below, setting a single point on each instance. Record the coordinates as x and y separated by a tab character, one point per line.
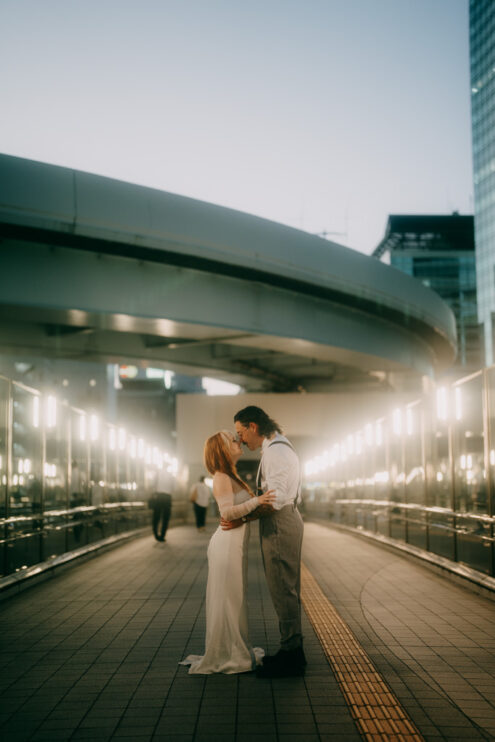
97	269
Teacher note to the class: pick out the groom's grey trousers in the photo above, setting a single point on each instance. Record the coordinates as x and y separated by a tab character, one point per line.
281	534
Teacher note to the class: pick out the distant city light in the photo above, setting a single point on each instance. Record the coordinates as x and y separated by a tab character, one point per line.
128	372
51	412
216	387
397	422
442	403
94	427
458	403
154	373
82	427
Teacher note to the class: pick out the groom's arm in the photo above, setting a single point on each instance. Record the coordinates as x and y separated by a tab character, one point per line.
260	512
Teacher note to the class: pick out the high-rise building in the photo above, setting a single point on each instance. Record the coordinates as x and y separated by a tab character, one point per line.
482	53
439	252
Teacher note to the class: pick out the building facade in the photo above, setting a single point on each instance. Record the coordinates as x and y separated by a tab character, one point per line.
439	251
482	53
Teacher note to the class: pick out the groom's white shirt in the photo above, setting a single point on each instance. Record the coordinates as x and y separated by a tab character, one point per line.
279	471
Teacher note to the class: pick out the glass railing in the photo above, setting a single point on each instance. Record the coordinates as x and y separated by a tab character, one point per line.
67	478
424	474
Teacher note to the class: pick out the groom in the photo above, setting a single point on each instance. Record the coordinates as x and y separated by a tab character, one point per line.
281	533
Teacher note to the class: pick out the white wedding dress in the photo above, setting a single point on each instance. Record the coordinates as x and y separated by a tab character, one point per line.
227	649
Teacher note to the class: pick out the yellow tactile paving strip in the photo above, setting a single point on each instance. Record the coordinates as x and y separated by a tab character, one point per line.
377	712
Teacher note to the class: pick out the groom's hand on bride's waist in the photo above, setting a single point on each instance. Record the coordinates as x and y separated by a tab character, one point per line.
227	525
260	512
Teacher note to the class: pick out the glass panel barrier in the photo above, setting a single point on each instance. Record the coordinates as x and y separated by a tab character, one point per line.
24	524
415	482
4	413
471	491
4	425
55	470
441	526
468	447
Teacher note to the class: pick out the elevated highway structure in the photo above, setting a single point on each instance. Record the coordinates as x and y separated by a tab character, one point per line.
97	269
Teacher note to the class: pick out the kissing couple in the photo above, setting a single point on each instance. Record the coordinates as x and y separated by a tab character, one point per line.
274	504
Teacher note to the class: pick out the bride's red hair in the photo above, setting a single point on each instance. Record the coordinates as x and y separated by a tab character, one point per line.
217	458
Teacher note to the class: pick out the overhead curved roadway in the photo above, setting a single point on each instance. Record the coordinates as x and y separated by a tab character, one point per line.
93	268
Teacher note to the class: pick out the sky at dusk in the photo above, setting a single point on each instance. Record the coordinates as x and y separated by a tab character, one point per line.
326	115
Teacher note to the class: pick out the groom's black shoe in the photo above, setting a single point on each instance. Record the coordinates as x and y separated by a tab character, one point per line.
284	664
291	656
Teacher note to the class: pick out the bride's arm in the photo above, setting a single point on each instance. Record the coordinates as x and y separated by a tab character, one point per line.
224	495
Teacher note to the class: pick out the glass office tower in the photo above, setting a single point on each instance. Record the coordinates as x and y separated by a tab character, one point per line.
439	251
482	53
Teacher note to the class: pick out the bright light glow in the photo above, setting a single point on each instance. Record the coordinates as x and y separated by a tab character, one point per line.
397	422
168	378
128	372
492	457
439	476
359	443
350	445
409	421
368	434
463	461
50	470
112	439
94	427
209	482
216	387
378	433
132	447
27	466
469	461
36	412
20	466
416	471
442	403
458	403
51	412
154	373
140	448
15	479
82	427
122	438
173	467
148	455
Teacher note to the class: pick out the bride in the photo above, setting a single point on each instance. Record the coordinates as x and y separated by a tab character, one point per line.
227	643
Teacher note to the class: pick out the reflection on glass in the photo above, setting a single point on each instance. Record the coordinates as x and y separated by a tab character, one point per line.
4	400
468	444
55	466
25	489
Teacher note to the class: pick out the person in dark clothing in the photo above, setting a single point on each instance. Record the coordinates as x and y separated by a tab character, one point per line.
161	504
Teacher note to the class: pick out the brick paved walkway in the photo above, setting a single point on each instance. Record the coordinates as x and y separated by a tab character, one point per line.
92	653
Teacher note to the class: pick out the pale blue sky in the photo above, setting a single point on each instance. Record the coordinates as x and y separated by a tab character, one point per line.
320	114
